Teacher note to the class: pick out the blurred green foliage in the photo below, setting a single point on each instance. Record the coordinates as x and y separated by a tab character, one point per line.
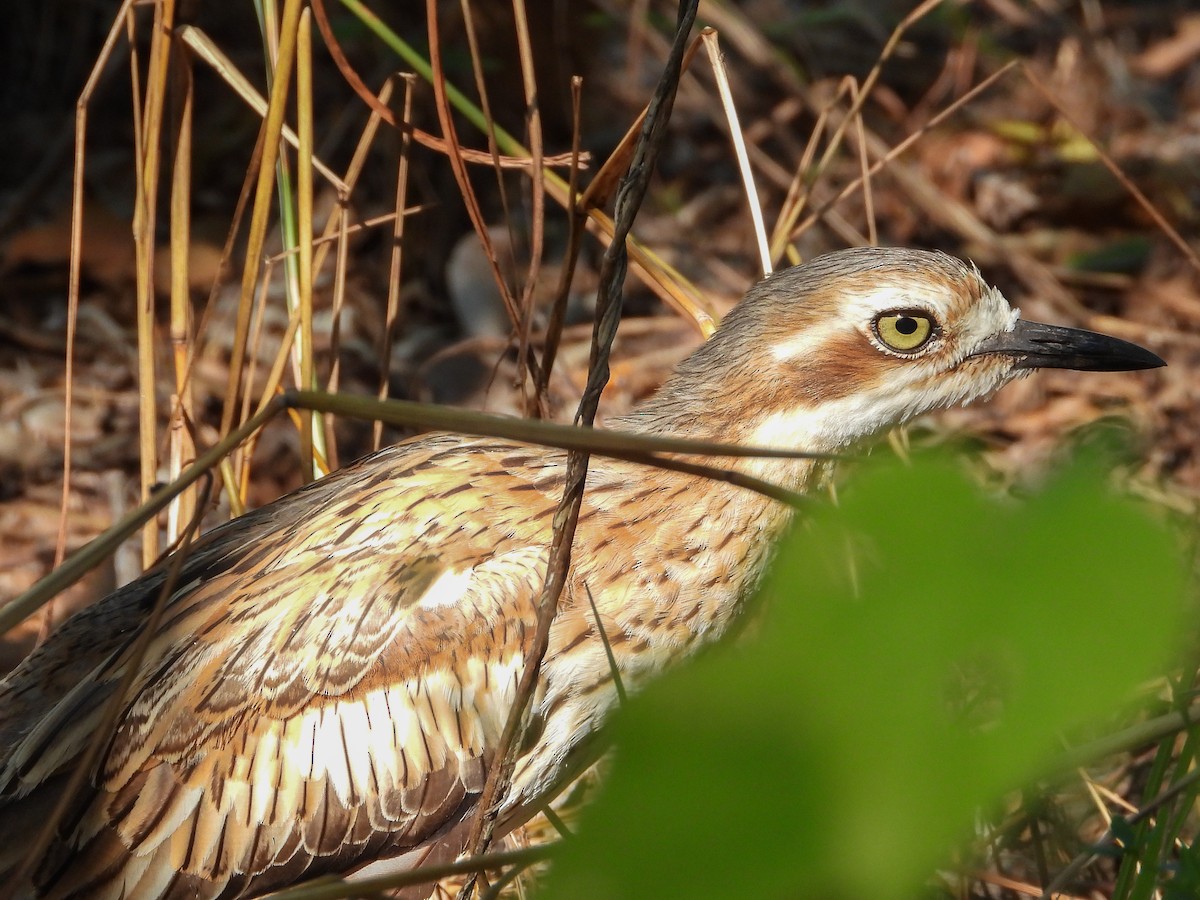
922	650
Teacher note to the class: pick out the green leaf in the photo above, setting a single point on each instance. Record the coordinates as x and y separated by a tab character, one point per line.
922	651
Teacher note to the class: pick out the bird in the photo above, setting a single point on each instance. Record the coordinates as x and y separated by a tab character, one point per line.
328	682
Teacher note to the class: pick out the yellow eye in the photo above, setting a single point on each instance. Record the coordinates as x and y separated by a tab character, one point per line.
904	331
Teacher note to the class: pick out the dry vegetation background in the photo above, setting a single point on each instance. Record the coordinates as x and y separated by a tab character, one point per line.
1016	178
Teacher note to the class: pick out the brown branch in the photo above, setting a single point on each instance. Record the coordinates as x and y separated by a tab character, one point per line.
644	449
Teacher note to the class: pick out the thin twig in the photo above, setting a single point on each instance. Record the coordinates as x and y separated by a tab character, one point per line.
1109	163
901	147
608	650
304	236
336	889
575	220
537	203
864	163
872	78
608	311
479	69
395	269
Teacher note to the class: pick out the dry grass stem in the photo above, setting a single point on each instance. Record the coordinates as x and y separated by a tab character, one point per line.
396	267
74	277
148	143
180	445
882	161
558	312
312	429
425	70
537	207
261	208
715	58
208	51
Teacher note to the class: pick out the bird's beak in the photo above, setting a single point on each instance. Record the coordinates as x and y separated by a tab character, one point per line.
1038	346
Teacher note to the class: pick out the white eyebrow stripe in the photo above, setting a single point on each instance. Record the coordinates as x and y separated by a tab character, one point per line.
806	342
856	312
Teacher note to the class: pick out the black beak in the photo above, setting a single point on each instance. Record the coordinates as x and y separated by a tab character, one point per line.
1038	346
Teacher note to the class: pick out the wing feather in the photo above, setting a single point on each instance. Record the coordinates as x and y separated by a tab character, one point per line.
290	716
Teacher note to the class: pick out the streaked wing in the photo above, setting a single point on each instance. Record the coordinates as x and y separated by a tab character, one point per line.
326	686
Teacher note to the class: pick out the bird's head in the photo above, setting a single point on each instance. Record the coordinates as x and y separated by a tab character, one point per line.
819	356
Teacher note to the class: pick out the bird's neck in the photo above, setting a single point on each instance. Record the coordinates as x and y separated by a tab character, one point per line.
678	413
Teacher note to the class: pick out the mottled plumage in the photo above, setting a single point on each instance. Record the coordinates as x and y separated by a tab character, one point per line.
329	682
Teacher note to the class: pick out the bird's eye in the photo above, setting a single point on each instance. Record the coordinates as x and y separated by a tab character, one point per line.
905	332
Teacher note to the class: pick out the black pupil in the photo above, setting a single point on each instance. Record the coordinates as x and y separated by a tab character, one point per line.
906	325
